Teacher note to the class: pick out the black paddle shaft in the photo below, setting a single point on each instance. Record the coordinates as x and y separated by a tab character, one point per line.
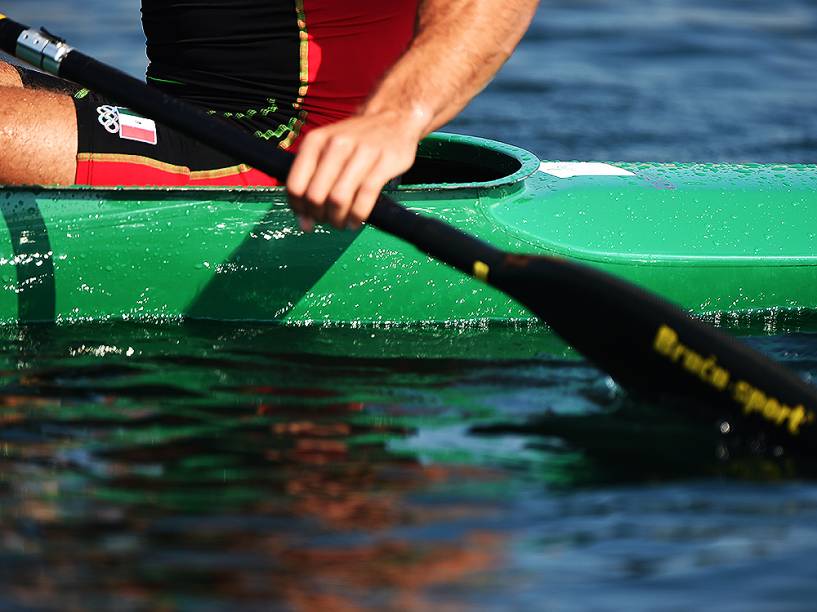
644	342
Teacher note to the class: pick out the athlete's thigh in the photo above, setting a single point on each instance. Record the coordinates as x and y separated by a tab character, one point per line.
38	137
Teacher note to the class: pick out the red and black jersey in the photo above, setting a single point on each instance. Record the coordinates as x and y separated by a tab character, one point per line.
278	67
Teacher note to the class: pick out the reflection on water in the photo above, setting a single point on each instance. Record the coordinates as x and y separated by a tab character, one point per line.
186	467
170	467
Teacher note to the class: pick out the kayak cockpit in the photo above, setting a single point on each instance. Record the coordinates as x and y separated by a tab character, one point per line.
452	161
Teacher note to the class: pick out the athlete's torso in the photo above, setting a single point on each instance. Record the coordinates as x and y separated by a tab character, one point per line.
279	67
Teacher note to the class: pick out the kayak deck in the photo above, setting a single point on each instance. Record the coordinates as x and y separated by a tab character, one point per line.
715	238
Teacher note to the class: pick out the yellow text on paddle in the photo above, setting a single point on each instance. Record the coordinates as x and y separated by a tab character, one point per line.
751	399
666	343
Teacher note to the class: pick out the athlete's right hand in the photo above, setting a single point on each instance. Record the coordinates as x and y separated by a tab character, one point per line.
340	169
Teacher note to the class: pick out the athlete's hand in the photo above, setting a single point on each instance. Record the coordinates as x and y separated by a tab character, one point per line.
340	169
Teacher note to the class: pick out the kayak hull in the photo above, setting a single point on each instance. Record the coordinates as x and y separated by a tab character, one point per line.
723	239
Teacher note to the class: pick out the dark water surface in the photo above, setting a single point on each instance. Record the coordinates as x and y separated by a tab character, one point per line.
213	467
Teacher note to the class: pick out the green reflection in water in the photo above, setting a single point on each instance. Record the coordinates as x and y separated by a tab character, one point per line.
184	467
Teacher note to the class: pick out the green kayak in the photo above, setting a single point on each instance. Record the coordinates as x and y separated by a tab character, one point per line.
714	238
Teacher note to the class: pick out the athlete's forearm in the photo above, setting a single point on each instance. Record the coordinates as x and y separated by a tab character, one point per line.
458	47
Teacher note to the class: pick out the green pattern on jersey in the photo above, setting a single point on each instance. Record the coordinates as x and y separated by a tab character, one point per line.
279	131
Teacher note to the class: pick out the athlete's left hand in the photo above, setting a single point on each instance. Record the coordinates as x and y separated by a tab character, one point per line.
340	169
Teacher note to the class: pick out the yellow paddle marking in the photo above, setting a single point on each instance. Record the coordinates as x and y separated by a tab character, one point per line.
752	400
481	270
2	16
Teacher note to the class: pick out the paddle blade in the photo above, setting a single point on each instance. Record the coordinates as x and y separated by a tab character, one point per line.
652	347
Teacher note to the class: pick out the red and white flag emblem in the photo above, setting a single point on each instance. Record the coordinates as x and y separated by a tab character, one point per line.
126	123
134	127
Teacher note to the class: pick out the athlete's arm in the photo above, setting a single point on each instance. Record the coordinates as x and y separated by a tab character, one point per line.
458	47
